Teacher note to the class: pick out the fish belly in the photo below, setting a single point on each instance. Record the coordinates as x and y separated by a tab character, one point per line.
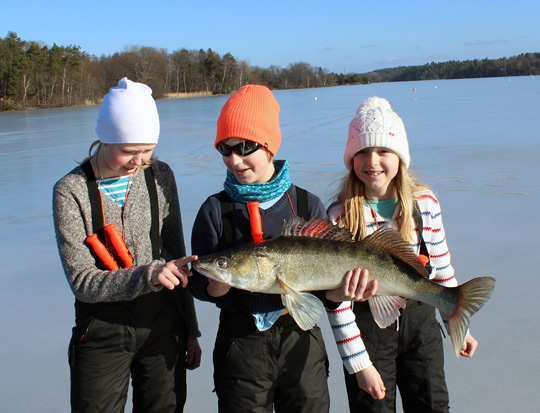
321	265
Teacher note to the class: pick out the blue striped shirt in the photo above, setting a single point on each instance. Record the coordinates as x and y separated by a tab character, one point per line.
115	188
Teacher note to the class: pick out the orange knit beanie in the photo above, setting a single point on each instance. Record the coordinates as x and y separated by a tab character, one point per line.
252	113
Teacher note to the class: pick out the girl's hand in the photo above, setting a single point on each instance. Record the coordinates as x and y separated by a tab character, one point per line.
469	346
193	353
353	287
173	273
371	382
216	289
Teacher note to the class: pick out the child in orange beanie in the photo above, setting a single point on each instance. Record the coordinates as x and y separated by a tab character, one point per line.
263	361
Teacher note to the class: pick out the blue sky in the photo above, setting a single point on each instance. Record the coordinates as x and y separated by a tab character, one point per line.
341	36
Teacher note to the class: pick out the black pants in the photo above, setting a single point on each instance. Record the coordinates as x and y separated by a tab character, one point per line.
411	359
143	339
283	368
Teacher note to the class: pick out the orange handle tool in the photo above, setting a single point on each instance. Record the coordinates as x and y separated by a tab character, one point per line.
255	221
102	252
119	245
423	259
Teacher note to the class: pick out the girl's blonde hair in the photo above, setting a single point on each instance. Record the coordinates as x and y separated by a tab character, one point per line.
352	197
97	145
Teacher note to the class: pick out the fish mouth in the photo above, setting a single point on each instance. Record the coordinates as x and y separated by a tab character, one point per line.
206	272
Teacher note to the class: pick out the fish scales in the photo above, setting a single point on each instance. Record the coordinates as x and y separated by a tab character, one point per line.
315	255
298	256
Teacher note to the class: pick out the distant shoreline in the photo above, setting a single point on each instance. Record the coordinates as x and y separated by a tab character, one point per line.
92	103
186	95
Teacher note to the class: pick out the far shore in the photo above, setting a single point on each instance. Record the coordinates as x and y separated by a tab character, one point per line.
9	107
186	95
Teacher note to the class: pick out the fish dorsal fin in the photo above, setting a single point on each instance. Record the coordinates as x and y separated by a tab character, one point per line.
391	241
316	227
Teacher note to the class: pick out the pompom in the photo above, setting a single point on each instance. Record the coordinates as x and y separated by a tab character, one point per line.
373	102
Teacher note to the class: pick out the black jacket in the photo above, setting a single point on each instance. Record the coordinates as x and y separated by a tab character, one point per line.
207	238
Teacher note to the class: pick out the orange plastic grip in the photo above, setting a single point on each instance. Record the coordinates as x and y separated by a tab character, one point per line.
119	245
102	252
423	259
255	221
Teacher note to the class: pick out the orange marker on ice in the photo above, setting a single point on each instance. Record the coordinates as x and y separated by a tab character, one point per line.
102	252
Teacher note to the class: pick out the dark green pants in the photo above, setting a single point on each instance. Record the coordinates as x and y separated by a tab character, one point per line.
410	358
283	368
143	339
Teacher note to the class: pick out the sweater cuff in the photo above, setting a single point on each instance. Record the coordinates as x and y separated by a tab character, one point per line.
151	267
198	285
330	305
359	363
194	332
214	300
348	340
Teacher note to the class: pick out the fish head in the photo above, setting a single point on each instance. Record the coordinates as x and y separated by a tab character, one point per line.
240	268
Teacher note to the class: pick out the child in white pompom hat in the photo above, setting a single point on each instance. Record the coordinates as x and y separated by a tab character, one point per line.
379	191
120	238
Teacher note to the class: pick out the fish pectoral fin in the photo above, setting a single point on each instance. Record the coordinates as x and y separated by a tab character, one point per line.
304	308
385	309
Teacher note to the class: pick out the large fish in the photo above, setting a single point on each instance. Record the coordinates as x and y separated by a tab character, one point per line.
315	255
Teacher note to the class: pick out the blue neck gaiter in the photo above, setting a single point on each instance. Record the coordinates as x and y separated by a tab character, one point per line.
260	192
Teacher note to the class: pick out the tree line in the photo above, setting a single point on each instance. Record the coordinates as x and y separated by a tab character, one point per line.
38	76
526	64
33	75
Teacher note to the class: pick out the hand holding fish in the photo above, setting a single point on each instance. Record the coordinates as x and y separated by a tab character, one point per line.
469	346
173	273
371	382
216	289
354	287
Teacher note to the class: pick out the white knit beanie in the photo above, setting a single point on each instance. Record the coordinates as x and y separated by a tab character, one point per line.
377	125
128	114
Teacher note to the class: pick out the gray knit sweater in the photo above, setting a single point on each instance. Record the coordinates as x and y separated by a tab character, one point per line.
73	223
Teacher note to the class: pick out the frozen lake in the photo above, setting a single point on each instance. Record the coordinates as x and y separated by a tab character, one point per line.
475	141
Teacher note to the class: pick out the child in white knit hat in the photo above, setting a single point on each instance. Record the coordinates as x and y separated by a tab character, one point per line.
120	238
379	191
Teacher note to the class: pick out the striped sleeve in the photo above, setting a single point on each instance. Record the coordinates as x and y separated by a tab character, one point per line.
334	212
435	238
349	342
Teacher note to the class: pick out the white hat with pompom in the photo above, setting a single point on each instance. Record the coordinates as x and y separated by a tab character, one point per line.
377	125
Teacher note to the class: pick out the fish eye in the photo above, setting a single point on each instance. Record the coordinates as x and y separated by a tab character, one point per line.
221	263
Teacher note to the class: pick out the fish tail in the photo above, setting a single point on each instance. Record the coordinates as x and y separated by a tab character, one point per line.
471	296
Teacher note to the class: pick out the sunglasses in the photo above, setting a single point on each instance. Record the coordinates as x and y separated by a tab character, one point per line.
243	148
